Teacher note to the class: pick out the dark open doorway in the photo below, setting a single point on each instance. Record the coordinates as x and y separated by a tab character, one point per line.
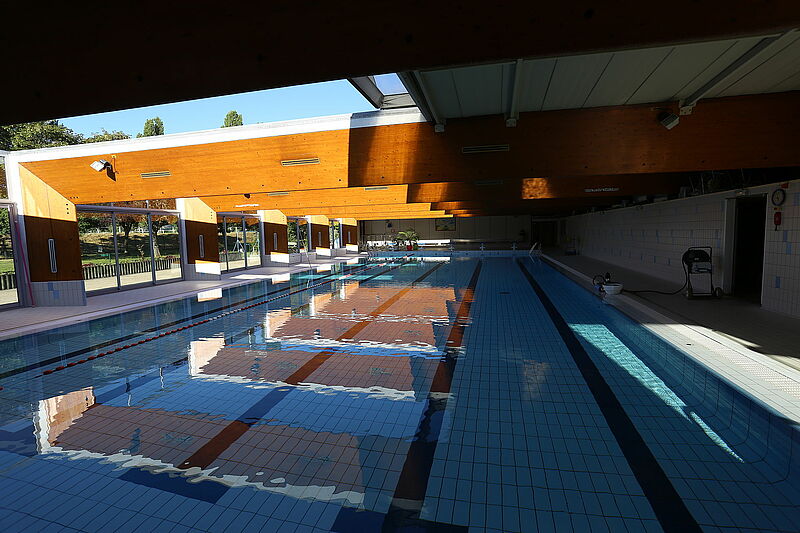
544	232
748	260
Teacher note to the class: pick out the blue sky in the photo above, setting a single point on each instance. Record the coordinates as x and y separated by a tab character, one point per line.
302	101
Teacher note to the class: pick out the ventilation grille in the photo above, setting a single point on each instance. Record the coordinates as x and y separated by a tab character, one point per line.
277	193
158	174
485	149
601	189
376	188
297	162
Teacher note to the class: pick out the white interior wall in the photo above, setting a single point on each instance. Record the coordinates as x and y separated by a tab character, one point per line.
652	238
499	228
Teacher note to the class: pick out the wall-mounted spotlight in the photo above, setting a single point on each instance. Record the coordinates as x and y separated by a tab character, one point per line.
668	119
101	165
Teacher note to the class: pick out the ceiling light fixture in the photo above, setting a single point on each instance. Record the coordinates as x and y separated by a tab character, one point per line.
298	162
156	174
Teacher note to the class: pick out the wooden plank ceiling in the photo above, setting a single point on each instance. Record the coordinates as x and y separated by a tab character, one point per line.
163	52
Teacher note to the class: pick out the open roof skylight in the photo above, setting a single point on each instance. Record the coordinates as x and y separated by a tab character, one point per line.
384	91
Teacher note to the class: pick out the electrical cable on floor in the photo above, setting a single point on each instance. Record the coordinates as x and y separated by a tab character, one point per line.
606	278
685	283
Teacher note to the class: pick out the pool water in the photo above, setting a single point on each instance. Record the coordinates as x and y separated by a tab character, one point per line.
444	394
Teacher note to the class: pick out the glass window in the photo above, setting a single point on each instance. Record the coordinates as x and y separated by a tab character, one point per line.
235	243
253	241
292	229
3	186
166	247
96	234
133	241
8	280
223	252
302	234
123	249
336	231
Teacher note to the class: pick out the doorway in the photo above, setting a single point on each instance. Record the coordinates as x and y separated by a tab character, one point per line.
128	247
544	232
748	259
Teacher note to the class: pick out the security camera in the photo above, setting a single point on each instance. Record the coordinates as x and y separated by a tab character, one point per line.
100	165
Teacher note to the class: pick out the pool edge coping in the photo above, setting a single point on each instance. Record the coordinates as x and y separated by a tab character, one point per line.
710	357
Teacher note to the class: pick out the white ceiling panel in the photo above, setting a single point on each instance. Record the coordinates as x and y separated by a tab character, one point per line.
792	83
682	64
573	79
484	89
730	55
627	77
441	88
779	63
624	74
535	77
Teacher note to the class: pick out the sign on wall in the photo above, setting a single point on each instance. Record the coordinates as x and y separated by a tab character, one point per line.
445	224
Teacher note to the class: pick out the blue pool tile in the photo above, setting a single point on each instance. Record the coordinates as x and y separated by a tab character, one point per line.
520	444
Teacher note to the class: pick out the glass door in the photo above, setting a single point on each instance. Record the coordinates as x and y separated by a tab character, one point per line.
335	238
8	278
126	248
166	247
294	240
134	247
237	258
98	241
303	234
252	226
221	243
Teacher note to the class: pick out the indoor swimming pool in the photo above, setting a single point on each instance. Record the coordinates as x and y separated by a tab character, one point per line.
397	394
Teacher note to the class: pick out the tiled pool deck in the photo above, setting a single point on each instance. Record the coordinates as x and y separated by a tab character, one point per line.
476	394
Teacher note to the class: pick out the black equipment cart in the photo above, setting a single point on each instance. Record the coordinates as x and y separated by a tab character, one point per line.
697	262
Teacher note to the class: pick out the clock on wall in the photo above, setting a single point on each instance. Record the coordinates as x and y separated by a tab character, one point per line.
778	196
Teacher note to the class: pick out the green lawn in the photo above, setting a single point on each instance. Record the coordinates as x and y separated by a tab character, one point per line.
98	248
6	265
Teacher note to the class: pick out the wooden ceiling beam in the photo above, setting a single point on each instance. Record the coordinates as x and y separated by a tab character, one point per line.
406	216
548	187
727	133
492	191
547	205
358	211
310	199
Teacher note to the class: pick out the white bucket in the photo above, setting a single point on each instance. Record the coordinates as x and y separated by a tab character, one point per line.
612	287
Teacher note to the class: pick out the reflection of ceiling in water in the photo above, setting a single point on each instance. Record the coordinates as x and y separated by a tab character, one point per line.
316	440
